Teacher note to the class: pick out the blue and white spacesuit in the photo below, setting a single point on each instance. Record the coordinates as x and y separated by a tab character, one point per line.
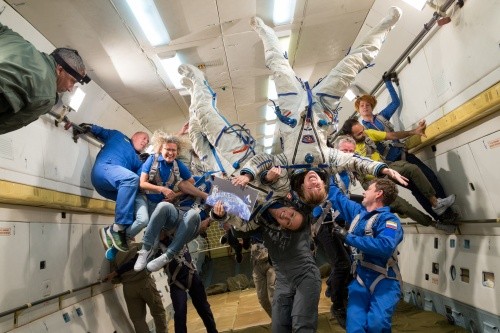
375	292
307	114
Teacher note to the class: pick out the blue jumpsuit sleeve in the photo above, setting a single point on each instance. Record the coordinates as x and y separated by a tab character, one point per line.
384	242
184	171
146	167
389	110
349	209
101	133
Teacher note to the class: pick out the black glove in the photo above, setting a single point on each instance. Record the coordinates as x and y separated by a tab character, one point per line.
339	232
392	76
84	128
144	156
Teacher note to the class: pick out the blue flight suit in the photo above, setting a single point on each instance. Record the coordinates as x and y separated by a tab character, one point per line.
114	174
370	312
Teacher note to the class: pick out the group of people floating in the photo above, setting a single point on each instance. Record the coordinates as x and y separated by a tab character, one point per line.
304	192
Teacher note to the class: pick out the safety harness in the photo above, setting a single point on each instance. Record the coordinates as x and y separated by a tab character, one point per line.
154	176
181	262
358	258
384	147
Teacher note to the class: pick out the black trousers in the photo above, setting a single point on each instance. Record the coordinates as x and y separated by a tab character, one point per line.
338	257
200	303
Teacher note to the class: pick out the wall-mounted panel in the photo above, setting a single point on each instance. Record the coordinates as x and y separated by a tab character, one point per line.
459	174
486	154
14	238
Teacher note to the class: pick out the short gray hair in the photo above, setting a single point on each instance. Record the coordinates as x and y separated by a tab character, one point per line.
72	58
343	138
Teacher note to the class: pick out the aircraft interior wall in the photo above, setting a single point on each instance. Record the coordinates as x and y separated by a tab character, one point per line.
47	252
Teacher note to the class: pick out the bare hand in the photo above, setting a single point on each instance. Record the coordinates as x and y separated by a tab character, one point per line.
241	180
168	194
396	176
204	225
219	209
273	174
184	129
420	130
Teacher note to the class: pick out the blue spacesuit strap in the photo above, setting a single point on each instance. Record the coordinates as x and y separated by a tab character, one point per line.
309	101
214	101
214	152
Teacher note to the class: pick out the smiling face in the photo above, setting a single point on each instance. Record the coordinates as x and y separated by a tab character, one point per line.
169	151
371	196
287	217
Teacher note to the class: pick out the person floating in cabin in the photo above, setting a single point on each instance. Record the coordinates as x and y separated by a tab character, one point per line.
307	115
139	290
286	234
30	80
366	139
233	241
374	234
183	279
164	180
210	133
393	150
114	176
399	206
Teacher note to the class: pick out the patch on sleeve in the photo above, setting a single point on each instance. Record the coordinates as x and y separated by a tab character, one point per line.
391	225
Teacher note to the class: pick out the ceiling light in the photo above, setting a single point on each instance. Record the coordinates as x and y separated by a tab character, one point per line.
418	4
76	100
171	66
271	89
150	21
268	142
350	95
283	11
269	129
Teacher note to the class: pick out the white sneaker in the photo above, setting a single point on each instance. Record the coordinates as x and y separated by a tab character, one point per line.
158	263
443	204
142	259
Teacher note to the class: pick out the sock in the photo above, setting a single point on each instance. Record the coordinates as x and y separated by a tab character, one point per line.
118	227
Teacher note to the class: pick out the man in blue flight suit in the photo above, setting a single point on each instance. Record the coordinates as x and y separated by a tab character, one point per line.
374	235
114	176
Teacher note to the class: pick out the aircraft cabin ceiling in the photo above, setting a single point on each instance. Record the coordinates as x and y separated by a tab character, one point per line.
215	35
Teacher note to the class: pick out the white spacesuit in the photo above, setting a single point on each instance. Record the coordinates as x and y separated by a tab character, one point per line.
308	113
220	145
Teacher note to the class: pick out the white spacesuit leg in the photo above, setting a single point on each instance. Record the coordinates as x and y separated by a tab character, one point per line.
284	77
341	77
233	146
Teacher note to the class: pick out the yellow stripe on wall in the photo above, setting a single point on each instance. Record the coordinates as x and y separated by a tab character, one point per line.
474	109
27	195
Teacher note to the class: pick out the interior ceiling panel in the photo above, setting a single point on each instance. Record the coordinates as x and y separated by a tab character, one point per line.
212	33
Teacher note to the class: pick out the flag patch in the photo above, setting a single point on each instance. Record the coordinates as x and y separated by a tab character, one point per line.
391	224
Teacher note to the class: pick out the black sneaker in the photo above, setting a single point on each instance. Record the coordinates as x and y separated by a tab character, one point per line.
246	243
239	257
340	315
223	239
119	239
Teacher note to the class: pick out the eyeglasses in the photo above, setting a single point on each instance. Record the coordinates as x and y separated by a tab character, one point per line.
82	79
